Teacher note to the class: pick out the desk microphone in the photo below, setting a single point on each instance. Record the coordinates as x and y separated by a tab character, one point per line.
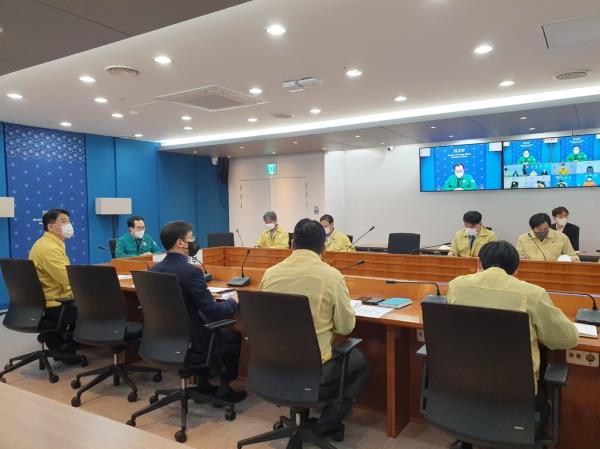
240	281
585	316
207	275
404	281
418	250
360	262
358	239
237	231
538	246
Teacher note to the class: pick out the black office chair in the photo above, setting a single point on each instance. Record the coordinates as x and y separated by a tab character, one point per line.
220	239
167	342
351	237
284	366
112	245
102	321
26	311
478	378
290	239
403	243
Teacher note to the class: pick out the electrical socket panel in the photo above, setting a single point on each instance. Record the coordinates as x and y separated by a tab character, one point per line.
584	358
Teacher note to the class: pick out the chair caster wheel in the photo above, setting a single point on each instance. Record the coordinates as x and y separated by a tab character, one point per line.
53	378
338	436
180	436
132	397
278	425
152	399
130	422
75	384
230	415
76	401
7	366
157	377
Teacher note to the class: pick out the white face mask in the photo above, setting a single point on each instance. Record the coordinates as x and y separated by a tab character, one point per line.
576	151
561	221
139	234
67	231
526	154
459	174
270	226
327	230
471	232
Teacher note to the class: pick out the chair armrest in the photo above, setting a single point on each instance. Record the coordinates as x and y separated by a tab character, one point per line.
218	325
64	301
556	374
347	347
422	352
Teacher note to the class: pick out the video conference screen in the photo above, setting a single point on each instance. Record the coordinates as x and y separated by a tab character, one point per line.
461	167
564	162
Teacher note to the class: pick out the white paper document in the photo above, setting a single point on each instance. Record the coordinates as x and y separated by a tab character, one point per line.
218	289
122	277
587	330
368	311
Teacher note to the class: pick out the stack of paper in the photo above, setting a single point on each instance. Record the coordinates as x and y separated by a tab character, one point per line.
368	311
587	330
123	277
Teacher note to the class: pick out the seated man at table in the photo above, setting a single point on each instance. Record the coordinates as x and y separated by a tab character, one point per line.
562	224
136	242
495	286
178	238
304	273
468	241
335	240
273	236
544	243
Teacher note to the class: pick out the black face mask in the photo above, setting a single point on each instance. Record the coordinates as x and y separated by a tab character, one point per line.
193	248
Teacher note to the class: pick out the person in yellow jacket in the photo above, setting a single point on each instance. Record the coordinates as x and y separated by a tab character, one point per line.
335	240
543	243
468	241
273	236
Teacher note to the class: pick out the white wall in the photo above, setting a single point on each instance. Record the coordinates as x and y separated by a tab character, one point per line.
381	188
290	170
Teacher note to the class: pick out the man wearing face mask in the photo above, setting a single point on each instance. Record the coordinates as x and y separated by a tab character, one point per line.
178	238
468	241
273	236
460	180
526	158
577	155
561	224
544	243
335	240
136	242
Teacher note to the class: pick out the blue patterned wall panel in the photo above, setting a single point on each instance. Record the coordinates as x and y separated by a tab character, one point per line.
46	168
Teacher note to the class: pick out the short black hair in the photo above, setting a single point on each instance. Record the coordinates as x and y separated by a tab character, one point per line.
459	165
309	234
51	215
472	217
499	254
270	215
539	219
131	221
559	210
173	231
328	218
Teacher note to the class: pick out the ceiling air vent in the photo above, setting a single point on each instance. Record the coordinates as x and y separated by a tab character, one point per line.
212	98
122	70
282	115
572	75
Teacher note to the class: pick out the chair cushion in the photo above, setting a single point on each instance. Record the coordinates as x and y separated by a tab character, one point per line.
134	331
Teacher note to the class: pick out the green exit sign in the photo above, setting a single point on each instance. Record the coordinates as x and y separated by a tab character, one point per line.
271	169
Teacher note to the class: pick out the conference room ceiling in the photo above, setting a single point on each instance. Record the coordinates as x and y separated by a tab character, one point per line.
38	31
421	49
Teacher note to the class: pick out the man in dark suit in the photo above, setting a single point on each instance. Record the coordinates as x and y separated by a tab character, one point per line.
561	224
178	238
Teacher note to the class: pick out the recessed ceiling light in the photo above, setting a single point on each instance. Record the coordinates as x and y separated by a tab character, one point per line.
87	79
506	83
228	156
295	143
433	127
532	129
65	124
117	115
324	148
451	136
14	96
138	135
187	128
315	111
483	49
353	73
195	151
134	112
241	148
381	143
400	98
162	59
274	152
523	118
256	91
100	100
357	136
275	30
253	120
186	118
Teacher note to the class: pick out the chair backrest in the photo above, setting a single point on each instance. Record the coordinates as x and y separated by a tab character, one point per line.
351	237
112	245
290	239
167	329
220	239
101	305
480	384
25	294
285	360
403	243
